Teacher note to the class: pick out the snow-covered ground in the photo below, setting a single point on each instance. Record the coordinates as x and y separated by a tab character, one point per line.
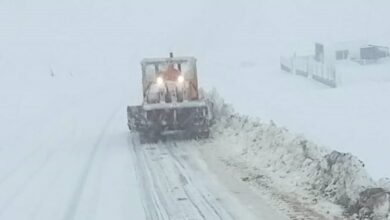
63	156
178	183
351	118
68	69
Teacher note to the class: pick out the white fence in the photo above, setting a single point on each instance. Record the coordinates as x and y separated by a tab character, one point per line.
308	67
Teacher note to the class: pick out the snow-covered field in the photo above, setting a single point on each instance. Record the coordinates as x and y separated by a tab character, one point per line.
351	118
68	69
63	156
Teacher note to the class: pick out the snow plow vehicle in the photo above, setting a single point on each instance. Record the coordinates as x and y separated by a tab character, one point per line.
172	104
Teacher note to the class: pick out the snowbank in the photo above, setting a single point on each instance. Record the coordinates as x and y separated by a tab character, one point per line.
290	162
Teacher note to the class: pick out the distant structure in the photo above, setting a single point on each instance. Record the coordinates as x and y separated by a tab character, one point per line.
359	52
321	64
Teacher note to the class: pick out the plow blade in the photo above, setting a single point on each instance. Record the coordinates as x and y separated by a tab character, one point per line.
154	121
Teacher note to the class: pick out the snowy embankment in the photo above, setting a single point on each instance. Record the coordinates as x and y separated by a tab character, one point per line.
274	158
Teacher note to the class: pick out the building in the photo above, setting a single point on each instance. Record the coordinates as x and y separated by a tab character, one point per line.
360	52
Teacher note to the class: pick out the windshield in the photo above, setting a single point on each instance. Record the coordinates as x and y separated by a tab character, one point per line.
153	70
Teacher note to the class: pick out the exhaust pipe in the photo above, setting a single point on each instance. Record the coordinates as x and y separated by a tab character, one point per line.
179	64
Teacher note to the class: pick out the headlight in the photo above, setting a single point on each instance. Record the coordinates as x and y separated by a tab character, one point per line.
159	80
180	79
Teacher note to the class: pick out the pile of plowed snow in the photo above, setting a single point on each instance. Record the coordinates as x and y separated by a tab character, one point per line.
289	161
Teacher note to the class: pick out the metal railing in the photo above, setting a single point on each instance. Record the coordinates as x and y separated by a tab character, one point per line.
308	67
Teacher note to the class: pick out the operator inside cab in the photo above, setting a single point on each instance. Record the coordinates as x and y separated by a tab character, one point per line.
171	74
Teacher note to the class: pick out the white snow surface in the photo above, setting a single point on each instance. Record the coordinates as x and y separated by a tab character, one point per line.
68	69
300	177
109	39
63	156
290	159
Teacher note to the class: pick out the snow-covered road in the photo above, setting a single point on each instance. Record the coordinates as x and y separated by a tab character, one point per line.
81	162
76	164
68	69
170	188
176	183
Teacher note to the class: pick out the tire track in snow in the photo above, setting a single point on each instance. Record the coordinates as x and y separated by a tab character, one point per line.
29	161
219	212
196	211
25	182
35	150
151	203
71	211
162	196
24	162
21	164
169	191
44	196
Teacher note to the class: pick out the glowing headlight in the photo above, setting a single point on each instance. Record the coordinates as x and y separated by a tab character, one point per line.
159	81
180	79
